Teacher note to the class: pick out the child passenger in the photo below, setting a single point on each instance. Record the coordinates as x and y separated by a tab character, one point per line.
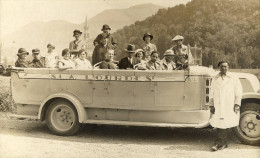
51	57
66	62
82	62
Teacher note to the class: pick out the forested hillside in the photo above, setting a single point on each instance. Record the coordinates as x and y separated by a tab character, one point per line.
224	29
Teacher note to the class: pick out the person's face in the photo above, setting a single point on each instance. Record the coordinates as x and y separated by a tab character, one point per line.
110	55
139	55
106	31
178	42
147	53
154	57
147	39
36	56
224	68
82	55
103	41
22	56
131	54
66	56
168	58
49	48
77	35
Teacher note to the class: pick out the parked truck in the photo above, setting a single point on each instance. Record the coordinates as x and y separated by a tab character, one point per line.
178	98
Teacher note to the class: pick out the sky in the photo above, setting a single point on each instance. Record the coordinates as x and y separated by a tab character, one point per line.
15	14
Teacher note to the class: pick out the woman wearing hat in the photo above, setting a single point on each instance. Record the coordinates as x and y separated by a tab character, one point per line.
51	57
167	62
148	47
82	62
66	62
111	42
127	62
77	44
21	61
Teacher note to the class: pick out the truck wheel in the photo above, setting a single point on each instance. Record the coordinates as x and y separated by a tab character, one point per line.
62	118
248	130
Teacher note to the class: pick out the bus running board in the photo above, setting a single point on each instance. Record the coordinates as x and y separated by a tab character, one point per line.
149	124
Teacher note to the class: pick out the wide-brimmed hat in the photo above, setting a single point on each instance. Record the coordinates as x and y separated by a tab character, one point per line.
130	48
36	51
76	31
105	26
178	37
48	45
169	52
22	51
147	34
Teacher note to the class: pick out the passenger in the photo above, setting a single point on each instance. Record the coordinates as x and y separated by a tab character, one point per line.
153	64
138	59
183	57
148	47
82	62
38	61
167	62
100	50
111	41
51	57
127	62
146	56
21	61
109	62
76	45
66	62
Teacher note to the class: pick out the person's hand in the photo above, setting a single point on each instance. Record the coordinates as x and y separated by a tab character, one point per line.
236	108
212	109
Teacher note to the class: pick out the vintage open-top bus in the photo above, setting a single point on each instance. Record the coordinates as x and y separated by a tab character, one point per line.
177	98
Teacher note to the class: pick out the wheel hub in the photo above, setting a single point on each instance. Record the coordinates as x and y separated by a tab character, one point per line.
249	124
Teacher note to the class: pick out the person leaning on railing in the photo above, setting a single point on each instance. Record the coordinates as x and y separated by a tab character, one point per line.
109	62
66	62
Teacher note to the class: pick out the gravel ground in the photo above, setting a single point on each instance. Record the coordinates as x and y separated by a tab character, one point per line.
30	138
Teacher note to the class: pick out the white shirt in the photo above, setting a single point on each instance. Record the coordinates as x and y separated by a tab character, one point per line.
83	64
51	59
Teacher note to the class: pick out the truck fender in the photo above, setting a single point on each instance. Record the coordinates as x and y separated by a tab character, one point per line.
251	95
67	96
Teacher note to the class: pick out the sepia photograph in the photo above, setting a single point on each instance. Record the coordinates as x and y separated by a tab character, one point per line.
129	78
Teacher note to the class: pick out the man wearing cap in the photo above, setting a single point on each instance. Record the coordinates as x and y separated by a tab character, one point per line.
38	61
76	45
148	46
21	61
167	62
154	64
100	50
111	42
127	62
183	57
225	101
51	57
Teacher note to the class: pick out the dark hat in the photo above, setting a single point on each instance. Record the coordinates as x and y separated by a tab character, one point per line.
147	34
130	48
36	51
105	26
76	31
48	45
22	51
221	62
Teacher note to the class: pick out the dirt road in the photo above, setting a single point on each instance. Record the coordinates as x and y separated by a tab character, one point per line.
29	138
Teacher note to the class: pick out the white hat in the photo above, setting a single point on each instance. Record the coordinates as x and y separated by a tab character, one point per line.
169	52
178	37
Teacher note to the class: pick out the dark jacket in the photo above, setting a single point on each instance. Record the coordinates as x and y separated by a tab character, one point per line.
108	64
99	53
125	63
111	41
21	63
38	63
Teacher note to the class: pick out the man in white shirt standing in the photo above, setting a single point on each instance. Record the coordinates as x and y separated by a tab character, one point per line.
225	101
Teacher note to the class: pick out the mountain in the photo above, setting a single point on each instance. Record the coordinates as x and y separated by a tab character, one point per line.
59	32
224	29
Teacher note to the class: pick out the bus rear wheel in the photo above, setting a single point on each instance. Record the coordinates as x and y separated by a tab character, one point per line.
248	130
62	118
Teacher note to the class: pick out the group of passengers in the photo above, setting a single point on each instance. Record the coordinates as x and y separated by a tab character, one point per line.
145	58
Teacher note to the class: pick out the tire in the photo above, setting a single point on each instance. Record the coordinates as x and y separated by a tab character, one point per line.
62	118
248	130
